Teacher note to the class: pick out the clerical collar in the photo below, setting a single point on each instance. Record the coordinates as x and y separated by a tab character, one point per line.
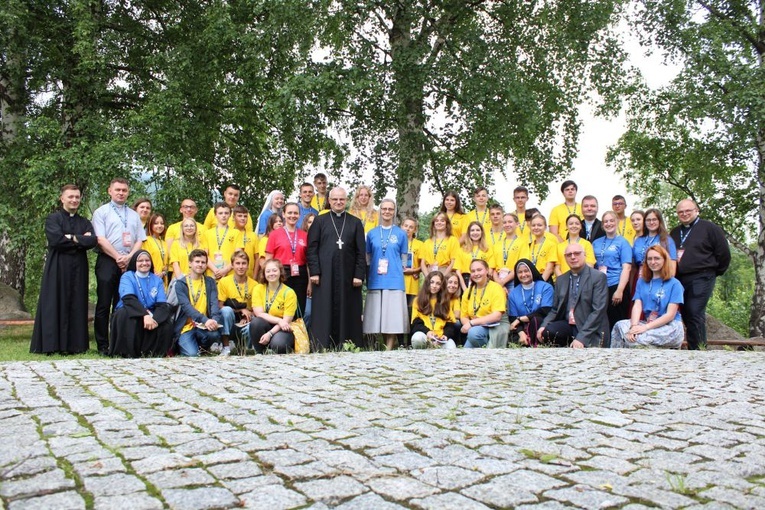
691	224
527	286
338	214
142	274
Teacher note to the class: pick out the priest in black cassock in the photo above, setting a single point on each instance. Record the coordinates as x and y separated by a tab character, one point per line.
61	323
337	264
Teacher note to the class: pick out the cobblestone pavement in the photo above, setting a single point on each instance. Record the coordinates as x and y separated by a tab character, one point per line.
549	428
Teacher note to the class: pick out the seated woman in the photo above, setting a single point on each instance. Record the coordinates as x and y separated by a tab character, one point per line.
142	322
274	305
528	303
658	298
433	322
483	306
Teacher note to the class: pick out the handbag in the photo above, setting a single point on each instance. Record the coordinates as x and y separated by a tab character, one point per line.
302	344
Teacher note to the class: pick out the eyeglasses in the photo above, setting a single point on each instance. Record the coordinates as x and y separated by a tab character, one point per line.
188	207
685	211
618	203
575	254
652	220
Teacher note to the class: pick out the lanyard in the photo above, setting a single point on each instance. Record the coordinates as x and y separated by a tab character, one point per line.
293	241
384	242
523	295
603	251
535	257
123	217
159	247
648	243
239	291
573	287
501	237
624	228
570	212
273	298
481	221
194	301
476	306
684	237
142	297
506	250
659	294
436	247
218	239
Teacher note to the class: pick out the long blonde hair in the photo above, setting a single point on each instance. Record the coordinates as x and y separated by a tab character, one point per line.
356	209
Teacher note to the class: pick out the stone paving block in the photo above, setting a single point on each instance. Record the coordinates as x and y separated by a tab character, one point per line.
99	467
175	478
369	501
448	501
448	477
48	481
222	457
200	499
285	457
199	447
404	461
142	452
400	488
657	497
331	491
499	493
272	497
618	466
135	501
735	498
586	497
310	470
69	500
162	461
28	466
235	470
114	484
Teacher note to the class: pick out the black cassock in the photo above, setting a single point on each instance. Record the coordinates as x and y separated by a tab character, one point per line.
61	323
128	337
336	306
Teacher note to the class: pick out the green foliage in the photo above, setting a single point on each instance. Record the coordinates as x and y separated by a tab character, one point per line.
731	302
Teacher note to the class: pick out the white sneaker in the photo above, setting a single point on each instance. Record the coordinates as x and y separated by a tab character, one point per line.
226	351
216	347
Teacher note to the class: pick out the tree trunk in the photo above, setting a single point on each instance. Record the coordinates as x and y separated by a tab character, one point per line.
410	119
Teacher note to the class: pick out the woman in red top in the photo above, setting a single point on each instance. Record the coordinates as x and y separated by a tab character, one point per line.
288	245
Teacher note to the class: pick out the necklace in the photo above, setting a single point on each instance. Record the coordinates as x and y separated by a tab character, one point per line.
339	242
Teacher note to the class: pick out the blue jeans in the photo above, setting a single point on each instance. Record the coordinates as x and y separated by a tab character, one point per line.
190	341
228	316
477	336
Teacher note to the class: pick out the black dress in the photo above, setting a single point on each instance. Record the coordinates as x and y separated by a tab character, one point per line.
61	323
336	303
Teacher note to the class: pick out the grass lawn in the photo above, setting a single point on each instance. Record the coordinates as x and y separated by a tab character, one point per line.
14	346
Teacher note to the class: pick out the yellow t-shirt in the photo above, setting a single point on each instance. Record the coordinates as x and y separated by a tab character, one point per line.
624	229
249	243
436	325
211	221
441	252
158	251
198	299
412	284
180	255
242	292
262	249
369	221
542	253
174	232
481	302
508	252
464	258
494	238
559	214
319	203
458	223
284	304
523	229
560	259
220	243
454	305
483	218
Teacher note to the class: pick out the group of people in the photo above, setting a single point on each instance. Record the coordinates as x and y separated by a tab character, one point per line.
481	277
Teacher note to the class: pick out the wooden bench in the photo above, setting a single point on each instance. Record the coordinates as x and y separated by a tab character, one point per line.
744	342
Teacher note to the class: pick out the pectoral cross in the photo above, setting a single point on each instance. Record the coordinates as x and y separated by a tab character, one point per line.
340	243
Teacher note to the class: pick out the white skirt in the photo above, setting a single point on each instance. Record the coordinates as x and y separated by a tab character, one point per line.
385	312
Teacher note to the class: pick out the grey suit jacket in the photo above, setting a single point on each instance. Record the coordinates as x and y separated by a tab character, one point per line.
589	309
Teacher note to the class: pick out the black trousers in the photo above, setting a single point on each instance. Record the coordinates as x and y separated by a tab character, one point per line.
282	342
108	275
698	288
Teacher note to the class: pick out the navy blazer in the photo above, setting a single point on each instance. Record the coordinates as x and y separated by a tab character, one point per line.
589	310
186	309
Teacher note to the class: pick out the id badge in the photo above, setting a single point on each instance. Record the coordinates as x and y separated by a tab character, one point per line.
571	319
680	254
652	316
603	269
382	266
127	239
218	257
294	269
434	267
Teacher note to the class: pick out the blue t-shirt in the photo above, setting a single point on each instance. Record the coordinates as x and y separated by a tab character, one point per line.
304	211
149	291
612	253
522	302
656	295
642	244
389	244
263	221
